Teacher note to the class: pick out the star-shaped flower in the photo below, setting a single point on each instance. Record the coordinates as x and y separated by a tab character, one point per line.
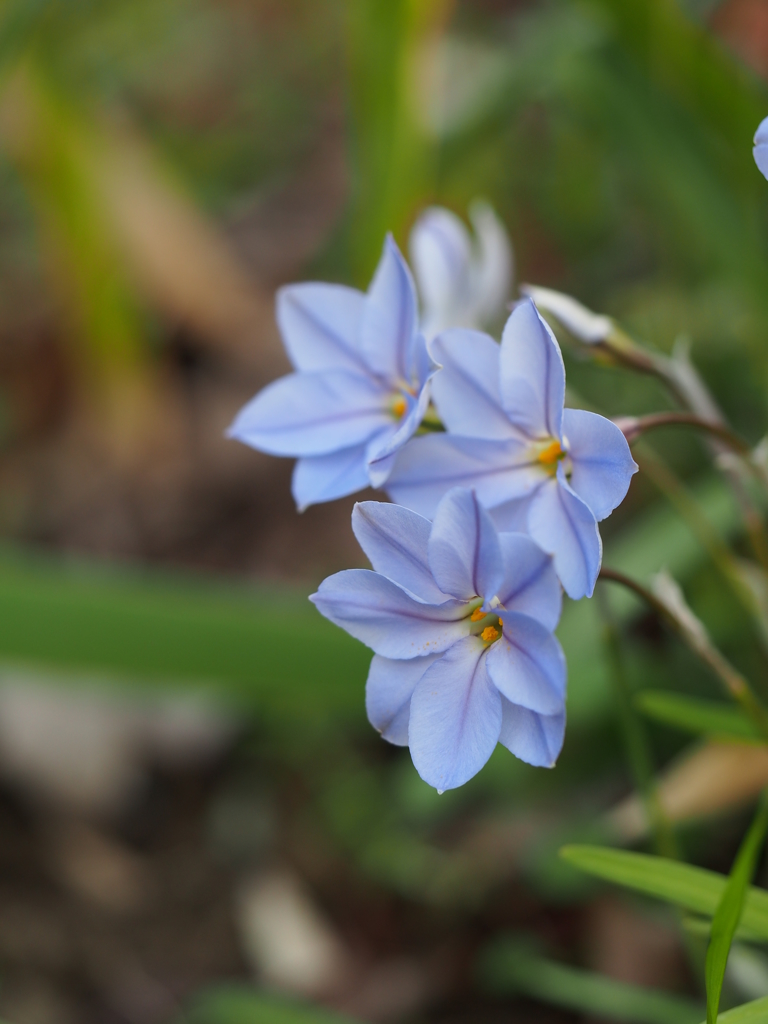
462	281
551	472
460	618
361	385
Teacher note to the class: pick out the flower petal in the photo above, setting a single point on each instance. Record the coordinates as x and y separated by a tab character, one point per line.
312	414
428	467
464	550
760	150
455	717
532	373
590	328
395	541
512	516
381	454
527	665
601	459
440	251
563	525
327	477
535	739
493	268
383	616
320	325
466	391
390	317
530	584
388	693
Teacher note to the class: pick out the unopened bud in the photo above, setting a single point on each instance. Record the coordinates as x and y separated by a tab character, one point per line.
583	324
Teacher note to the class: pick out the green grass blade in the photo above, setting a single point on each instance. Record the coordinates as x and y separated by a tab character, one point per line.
692	888
234	1005
696	714
507	966
729	910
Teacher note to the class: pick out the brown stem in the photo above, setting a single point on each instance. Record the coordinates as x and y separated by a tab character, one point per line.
641	424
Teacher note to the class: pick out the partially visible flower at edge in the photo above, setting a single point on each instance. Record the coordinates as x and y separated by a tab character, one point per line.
462	281
361	385
760	150
542	469
460	619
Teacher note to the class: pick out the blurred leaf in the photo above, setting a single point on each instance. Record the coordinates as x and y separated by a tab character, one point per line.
243	1006
700	782
507	966
390	43
696	714
729	910
681	884
266	647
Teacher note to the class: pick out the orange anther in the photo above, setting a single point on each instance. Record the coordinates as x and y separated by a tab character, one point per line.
399	406
489	634
476	615
551	454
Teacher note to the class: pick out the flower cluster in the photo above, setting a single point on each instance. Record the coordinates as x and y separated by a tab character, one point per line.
499	490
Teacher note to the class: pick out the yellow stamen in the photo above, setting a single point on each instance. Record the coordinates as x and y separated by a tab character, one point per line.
551	454
501	622
477	614
399	406
489	634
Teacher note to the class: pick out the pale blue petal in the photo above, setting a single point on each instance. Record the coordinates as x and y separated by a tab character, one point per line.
761	147
512	516
390	317
527	665
564	526
535	739
440	251
466	391
601	459
312	414
395	541
327	477
429	466
320	325
532	373
493	267
387	619
421	364
455	717
530	584
382	453
464	550
388	693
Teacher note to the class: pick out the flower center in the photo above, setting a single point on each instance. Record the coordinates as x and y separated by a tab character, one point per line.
485	625
399	405
550	454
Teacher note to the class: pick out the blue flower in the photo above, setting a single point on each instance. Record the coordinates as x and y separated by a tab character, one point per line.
360	389
551	472
760	150
460	618
463	282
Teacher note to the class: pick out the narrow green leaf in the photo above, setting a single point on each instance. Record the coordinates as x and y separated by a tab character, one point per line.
729	910
509	966
695	714
236	1005
692	888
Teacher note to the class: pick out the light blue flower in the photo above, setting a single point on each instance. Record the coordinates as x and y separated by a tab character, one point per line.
460	618
361	385
760	150
462	281
548	471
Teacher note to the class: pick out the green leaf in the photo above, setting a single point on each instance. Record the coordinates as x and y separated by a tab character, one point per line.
729	910
755	1012
509	966
244	1006
696	714
266	647
692	888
